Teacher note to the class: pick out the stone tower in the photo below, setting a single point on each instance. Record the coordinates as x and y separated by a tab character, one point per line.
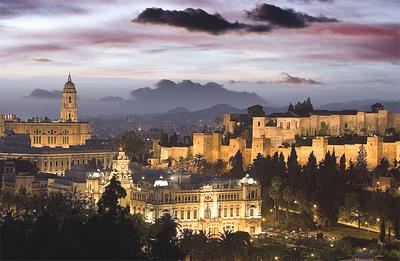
69	108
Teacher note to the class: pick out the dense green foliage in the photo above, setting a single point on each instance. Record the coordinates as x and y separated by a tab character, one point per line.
318	194
133	145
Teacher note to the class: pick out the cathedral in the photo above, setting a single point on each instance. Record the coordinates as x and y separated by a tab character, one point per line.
65	132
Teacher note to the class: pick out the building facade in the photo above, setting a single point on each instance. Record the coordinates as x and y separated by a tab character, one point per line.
65	132
212	207
208	205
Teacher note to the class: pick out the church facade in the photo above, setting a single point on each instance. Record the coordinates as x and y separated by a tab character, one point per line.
65	132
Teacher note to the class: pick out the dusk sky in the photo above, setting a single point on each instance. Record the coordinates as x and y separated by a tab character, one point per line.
330	50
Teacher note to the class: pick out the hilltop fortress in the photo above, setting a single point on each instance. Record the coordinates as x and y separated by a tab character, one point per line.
319	131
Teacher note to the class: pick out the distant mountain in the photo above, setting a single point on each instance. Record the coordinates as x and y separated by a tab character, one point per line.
209	113
361	105
188	94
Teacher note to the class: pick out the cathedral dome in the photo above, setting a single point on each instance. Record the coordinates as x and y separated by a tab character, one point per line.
69	86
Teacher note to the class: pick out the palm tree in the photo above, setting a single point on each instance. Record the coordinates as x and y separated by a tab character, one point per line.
358	216
186	242
219	167
198	162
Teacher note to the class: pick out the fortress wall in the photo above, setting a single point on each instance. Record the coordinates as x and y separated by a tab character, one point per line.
305	126
391	151
371	122
394	120
259	126
382	121
260	145
247	159
216	146
175	152
279	135
303	153
225	153
350	121
361	122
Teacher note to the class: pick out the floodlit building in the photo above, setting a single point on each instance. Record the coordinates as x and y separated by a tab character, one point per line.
65	132
207	205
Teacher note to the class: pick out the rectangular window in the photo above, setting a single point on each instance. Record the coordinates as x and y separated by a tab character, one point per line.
237	212
182	214
231	212
188	214
195	214
225	212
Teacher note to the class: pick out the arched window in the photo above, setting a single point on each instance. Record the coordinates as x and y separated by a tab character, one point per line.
207	213
69	99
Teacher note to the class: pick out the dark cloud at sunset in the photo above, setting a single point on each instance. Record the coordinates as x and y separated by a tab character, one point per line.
285	17
195	20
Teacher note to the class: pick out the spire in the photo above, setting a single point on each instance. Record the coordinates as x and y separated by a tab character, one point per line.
69	77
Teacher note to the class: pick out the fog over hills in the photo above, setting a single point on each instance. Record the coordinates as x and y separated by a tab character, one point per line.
190	95
180	99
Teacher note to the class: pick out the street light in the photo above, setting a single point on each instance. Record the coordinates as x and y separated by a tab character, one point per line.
315	205
263	219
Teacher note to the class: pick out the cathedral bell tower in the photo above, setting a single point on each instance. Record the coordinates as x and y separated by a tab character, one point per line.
69	108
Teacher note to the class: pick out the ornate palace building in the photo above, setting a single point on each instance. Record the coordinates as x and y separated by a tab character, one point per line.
65	132
199	203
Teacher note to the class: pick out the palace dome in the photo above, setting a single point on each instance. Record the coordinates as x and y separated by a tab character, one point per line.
161	182
96	175
247	180
69	86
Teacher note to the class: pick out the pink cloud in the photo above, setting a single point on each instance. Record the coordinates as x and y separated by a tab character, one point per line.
357	42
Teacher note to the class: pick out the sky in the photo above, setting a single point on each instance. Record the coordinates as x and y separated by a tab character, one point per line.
286	50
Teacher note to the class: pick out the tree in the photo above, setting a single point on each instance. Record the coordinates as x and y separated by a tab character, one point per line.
219	167
109	201
133	146
290	108
275	192
198	162
164	239
164	139
361	161
173	140
256	111
382	170
293	168
236	162
310	172
382	230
